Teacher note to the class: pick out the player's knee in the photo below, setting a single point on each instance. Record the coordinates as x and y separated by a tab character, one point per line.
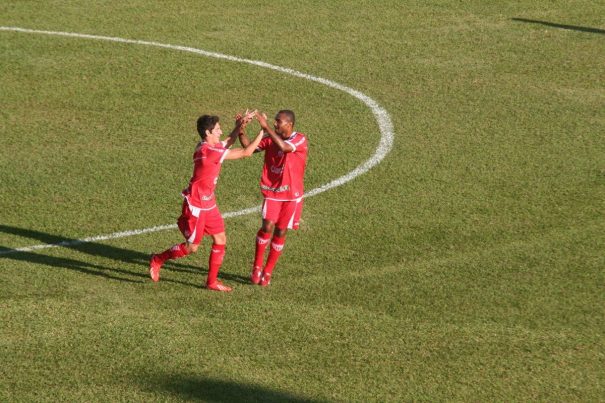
268	226
280	232
219	239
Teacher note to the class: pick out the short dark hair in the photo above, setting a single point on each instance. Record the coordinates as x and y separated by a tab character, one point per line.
289	114
206	122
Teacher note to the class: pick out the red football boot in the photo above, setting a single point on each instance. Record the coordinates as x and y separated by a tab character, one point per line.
218	286
265	280
155	264
255	275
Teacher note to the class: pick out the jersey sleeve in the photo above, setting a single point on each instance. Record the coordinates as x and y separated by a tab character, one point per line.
224	155
298	142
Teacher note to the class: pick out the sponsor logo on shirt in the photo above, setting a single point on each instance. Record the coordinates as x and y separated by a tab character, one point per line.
277	170
284	188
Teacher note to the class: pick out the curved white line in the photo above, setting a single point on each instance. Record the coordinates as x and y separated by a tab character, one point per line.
380	114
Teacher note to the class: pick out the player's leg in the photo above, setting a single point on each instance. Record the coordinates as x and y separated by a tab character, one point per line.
262	240
188	224
277	245
174	252
295	224
287	215
215	227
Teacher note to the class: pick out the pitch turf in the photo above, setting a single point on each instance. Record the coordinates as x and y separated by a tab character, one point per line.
468	265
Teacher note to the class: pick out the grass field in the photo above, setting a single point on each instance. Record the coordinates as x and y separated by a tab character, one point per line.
468	265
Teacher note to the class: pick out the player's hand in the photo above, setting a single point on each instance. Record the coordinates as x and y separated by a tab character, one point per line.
239	119
249	115
262	119
243	120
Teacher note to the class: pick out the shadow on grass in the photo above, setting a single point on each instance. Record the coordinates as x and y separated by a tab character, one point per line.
95	249
563	26
187	387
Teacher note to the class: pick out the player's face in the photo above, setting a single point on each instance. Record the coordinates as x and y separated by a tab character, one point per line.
216	132
282	125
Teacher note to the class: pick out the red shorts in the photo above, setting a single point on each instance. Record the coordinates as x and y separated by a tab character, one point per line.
285	214
194	223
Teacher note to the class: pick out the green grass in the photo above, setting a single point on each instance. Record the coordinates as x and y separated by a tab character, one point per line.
468	265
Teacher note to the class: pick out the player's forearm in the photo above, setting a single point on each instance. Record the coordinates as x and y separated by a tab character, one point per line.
251	147
283	146
232	136
247	151
243	139
230	141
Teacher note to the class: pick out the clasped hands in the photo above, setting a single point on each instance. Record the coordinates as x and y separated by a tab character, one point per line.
242	120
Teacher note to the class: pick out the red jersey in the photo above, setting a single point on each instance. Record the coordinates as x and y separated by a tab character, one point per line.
283	173
207	161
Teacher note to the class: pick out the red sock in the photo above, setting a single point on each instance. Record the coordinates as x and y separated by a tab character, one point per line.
175	252
217	253
262	240
277	244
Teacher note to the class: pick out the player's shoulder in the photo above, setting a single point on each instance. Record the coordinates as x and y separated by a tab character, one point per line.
218	147
205	150
298	139
199	149
296	136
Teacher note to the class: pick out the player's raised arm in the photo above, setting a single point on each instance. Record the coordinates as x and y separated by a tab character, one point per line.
238	153
243	139
241	121
283	146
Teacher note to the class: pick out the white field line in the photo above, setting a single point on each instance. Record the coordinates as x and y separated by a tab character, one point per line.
382	117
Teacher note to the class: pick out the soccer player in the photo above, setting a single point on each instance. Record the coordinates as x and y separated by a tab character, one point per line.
282	186
200	216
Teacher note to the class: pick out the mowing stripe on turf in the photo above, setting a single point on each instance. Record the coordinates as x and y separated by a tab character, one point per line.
380	114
